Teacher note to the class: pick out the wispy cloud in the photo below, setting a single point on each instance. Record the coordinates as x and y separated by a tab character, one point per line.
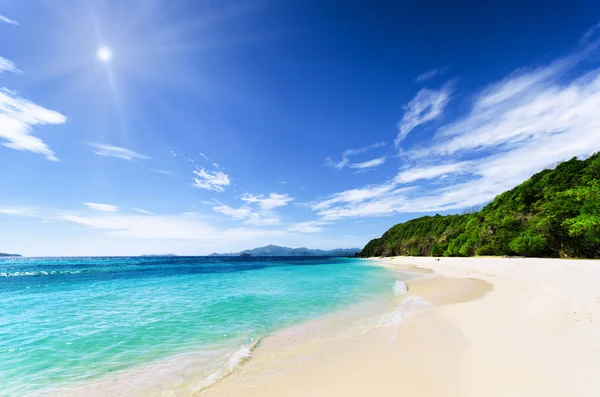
426	106
211	180
143	211
351	152
533	118
369	164
17	116
430	74
116	151
307	227
8	66
269	202
20	211
258	209
163	172
248	215
178	233
4	19
167	227
101	207
413	174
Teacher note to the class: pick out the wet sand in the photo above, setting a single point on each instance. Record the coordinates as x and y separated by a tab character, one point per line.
402	346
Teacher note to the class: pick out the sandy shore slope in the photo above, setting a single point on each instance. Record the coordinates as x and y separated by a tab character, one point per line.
493	327
536	334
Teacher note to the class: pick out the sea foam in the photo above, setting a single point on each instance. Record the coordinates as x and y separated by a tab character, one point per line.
40	273
400	288
232	362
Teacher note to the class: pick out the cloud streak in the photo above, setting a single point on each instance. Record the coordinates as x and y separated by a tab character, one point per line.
351	152
369	164
102	207
269	202
117	152
4	19
143	211
426	106
17	116
307	227
8	66
430	74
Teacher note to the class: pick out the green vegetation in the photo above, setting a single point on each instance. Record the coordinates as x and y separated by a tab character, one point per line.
556	213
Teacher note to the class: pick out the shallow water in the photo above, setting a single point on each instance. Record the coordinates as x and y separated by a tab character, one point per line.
66	321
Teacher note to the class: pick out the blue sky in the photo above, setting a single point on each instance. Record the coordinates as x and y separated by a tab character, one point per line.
220	126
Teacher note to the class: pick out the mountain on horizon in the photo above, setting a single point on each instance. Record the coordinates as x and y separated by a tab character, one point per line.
274	250
8	255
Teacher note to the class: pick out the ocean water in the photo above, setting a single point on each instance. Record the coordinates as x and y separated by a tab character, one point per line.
65	322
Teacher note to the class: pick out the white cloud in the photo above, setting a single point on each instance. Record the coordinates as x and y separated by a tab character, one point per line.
172	233
143	211
20	211
235	213
514	128
211	180
248	215
369	164
428	75
166	227
17	116
307	227
428	172
258	210
101	207
355	196
269	202
426	106
116	151
4	19
351	152
8	66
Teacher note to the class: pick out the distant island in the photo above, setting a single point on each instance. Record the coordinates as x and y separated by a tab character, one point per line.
554	214
8	255
274	250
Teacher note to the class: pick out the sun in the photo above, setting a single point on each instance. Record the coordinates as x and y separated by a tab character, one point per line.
104	54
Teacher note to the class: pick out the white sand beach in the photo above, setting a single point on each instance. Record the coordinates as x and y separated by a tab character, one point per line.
493	327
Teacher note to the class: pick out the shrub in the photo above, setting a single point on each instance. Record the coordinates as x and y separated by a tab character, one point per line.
528	244
438	249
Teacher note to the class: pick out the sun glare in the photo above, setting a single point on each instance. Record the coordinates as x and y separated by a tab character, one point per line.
104	54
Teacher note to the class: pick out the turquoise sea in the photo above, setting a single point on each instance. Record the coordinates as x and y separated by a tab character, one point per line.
72	321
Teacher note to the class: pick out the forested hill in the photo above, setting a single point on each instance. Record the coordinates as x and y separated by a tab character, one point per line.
556	213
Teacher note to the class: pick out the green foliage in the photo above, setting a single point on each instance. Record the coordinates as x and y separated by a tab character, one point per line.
556	213
528	244
588	220
438	249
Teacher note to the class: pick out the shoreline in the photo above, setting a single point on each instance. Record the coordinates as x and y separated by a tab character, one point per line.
494	327
196	367
449	327
369	349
